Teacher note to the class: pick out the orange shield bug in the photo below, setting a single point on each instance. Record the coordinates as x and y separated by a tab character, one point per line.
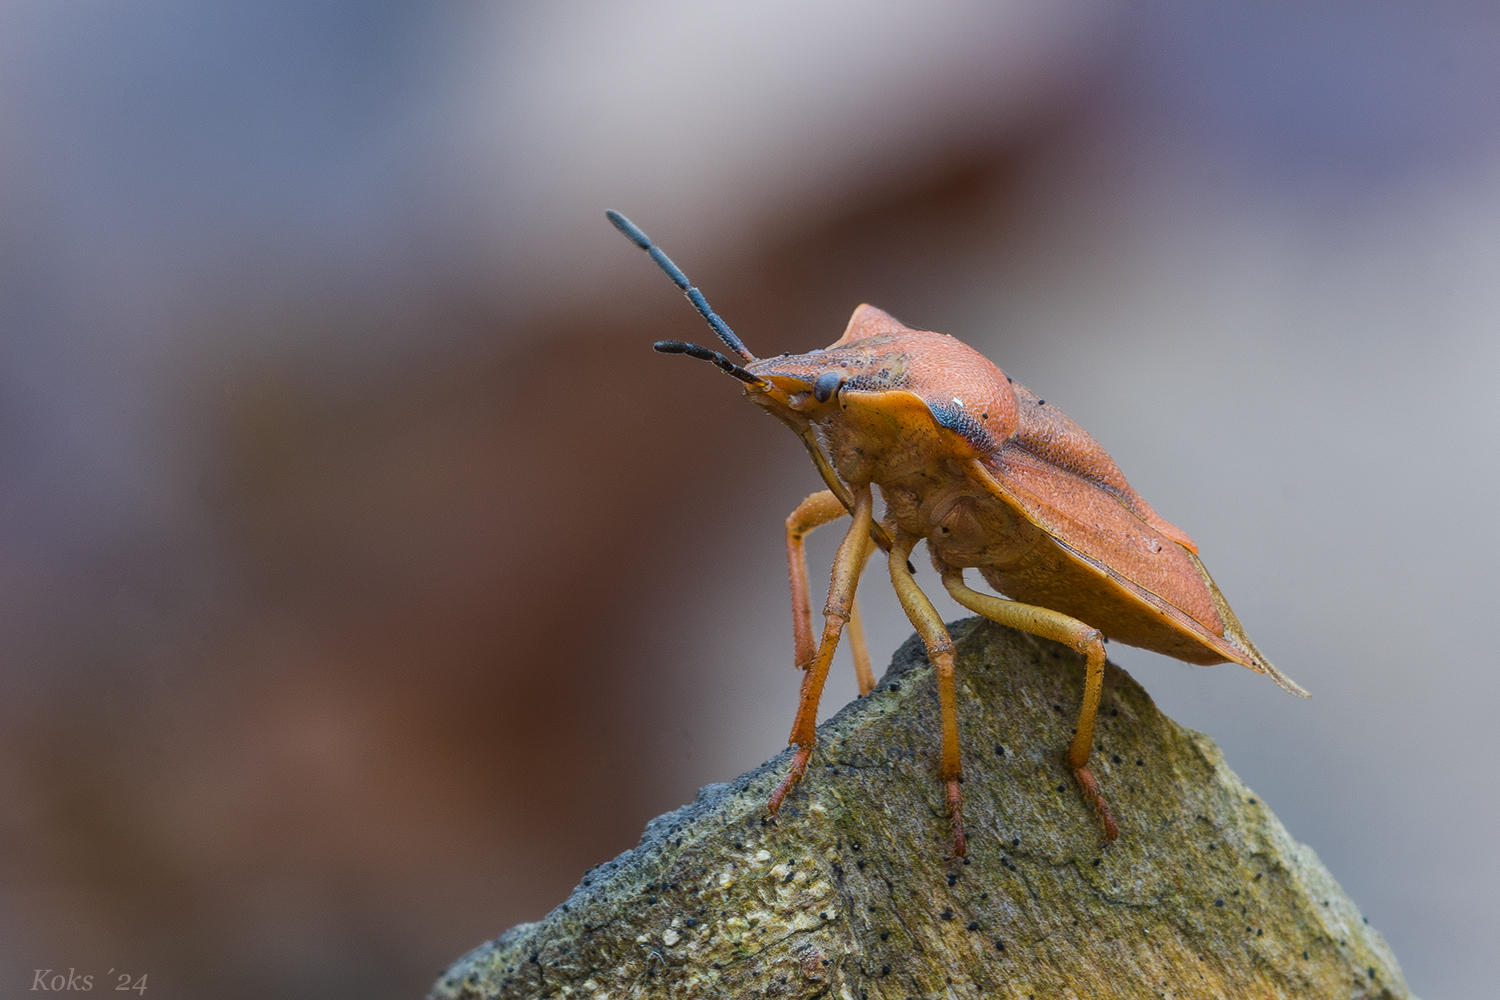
993	479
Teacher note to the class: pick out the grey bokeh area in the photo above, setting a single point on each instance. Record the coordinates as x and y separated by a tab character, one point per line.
366	578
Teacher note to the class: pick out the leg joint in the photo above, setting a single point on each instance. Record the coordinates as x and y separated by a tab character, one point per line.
1089	640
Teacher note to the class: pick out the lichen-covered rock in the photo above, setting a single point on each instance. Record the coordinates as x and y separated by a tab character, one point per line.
855	893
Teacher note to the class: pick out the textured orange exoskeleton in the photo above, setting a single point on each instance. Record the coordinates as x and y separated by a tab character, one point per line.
991	478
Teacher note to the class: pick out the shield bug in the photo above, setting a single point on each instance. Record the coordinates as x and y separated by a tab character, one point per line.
992	479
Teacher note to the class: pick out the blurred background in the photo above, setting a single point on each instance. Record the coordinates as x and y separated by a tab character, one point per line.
365	578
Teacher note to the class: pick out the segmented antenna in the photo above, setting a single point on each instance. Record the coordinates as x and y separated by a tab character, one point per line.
721	328
704	354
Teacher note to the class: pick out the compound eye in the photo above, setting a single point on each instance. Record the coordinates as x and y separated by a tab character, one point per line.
826	385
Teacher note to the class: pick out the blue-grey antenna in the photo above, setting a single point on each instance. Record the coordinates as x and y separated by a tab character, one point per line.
640	239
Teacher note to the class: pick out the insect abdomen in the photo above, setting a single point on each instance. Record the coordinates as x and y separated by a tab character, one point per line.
1053	576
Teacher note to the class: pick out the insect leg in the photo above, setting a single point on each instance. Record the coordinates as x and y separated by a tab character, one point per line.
1061	628
846	567
858	651
929	625
814	512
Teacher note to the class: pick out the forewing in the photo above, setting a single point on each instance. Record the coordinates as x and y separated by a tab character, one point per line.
1048	434
1095	522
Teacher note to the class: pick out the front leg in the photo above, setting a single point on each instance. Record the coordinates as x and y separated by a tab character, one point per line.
814	512
1061	628
846	566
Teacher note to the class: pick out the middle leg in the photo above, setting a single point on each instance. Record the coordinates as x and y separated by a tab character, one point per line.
934	633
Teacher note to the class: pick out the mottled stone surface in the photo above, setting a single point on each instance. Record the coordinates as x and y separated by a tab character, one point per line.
855	894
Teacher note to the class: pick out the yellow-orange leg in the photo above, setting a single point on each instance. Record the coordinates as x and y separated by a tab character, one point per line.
814	512
1061	628
846	567
858	651
929	625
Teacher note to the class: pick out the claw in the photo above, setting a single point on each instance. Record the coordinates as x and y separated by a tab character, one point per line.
799	768
1096	799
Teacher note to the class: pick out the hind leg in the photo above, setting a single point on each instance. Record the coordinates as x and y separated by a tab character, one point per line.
1084	638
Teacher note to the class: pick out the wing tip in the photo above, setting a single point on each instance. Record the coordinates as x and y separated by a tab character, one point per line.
1284	682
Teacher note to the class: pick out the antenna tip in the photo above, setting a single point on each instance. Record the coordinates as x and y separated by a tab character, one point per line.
630	229
670	347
